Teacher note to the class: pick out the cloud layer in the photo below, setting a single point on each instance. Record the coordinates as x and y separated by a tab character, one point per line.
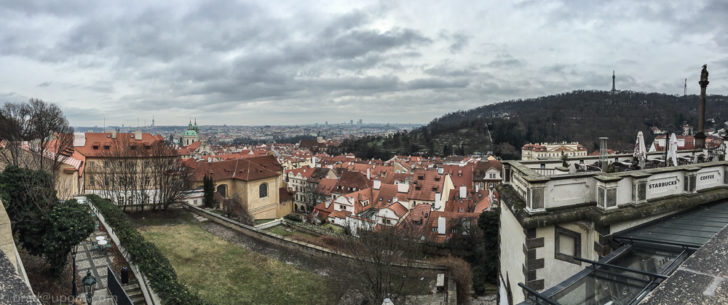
292	62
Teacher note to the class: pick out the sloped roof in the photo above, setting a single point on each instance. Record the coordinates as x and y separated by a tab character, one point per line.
241	169
96	144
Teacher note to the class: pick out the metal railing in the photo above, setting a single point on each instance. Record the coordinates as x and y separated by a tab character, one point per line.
115	288
539	298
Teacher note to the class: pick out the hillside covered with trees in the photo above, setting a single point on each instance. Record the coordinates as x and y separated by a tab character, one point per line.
581	116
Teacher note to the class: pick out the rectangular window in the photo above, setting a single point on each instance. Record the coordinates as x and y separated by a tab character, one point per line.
567	245
611	197
91	180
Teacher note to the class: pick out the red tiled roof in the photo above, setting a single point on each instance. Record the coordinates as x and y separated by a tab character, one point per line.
97	143
242	169
326	186
305	172
425	188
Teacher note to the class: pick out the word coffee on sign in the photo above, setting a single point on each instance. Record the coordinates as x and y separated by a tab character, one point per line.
709	179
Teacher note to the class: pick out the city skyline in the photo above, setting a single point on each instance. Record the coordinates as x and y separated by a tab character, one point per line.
292	63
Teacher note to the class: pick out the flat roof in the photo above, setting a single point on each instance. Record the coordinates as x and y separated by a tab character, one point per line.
691	229
650	253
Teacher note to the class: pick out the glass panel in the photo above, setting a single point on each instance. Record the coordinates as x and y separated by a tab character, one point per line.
608	285
611	197
566	245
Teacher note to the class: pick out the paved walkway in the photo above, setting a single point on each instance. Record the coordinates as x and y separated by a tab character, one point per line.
96	261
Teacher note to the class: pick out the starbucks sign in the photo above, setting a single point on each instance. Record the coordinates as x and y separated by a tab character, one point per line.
663	186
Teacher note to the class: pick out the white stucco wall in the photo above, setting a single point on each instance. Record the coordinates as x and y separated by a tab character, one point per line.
512	258
563	192
555	271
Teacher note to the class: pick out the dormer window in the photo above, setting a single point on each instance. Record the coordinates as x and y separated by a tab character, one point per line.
106	147
133	147
96	147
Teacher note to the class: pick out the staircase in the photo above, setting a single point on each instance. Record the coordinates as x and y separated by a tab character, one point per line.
134	292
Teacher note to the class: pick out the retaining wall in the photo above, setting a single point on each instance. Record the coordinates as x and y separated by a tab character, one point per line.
292	244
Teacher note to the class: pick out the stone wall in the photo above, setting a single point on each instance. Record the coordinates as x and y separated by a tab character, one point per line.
7	244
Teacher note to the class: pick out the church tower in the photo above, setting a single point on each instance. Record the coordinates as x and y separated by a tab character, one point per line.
190	135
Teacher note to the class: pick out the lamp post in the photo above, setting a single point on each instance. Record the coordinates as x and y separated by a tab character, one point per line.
89	281
74	290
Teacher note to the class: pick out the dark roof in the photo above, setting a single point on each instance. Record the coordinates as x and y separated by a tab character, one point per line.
693	228
694	281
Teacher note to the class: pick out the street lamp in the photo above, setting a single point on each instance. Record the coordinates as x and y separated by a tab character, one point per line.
74	290
89	281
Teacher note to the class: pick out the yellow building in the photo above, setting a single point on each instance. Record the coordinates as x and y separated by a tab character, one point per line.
255	182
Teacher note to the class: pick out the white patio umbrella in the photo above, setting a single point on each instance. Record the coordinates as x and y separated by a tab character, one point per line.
672	150
640	152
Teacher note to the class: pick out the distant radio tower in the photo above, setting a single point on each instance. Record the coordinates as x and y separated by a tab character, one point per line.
685	89
614	89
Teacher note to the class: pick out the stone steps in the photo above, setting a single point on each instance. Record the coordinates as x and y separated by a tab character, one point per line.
135	293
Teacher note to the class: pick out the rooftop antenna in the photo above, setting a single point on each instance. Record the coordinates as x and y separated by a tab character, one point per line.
104	124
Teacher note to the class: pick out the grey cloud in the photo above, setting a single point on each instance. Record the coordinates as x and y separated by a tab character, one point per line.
303	63
459	42
44	84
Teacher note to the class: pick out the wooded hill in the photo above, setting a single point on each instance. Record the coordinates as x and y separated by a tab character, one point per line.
581	116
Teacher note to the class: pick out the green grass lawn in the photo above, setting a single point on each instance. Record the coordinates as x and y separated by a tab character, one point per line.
226	273
292	233
262	221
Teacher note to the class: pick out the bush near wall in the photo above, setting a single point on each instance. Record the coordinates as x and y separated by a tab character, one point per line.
147	256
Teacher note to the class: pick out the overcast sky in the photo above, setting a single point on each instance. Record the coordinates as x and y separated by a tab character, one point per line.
293	62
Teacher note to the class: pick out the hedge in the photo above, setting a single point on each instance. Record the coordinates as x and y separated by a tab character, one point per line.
147	256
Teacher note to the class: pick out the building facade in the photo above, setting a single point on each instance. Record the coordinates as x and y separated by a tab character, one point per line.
551	151
547	221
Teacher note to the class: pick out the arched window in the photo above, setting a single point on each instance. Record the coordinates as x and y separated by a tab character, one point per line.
222	189
263	190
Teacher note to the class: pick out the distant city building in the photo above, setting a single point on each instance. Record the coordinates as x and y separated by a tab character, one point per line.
546	151
191	135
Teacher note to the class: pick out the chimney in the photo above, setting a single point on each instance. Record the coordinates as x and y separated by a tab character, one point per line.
700	136
603	152
369	174
313	159
441	226
437	199
463	192
377	184
79	139
113	134
138	135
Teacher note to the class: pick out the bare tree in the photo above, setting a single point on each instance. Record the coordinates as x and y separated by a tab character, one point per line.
14	129
54	137
168	174
143	174
37	136
382	269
